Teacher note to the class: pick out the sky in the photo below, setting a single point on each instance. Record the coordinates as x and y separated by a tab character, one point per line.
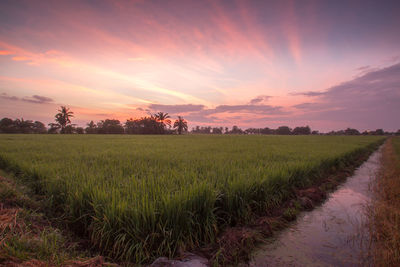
326	64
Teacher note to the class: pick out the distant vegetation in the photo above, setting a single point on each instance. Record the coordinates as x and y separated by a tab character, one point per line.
159	123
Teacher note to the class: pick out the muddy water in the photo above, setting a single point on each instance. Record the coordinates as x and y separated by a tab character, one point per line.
333	234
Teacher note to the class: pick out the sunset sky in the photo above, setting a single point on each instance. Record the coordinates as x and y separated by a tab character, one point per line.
326	64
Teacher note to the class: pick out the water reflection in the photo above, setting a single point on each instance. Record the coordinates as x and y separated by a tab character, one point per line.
330	235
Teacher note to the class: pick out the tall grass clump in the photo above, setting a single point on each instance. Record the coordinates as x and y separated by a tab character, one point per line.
139	197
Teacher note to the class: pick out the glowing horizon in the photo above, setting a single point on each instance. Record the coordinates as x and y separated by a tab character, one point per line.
325	64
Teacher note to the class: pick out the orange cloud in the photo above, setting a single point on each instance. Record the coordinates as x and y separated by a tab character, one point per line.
22	54
5	53
21	58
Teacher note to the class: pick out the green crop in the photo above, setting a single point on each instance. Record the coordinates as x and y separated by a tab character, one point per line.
139	197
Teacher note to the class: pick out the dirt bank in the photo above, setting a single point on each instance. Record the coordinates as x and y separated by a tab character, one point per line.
385	209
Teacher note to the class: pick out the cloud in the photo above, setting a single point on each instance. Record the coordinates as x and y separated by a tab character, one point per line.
176	108
201	109
21	58
306	105
104	114
221	113
5	53
259	99
369	101
247	109
36	99
364	68
8	97
309	93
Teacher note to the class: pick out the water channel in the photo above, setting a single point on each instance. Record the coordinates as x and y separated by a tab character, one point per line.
333	234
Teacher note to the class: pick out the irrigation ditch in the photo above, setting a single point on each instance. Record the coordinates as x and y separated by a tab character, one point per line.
333	234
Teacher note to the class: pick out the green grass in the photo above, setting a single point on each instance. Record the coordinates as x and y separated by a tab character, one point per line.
139	197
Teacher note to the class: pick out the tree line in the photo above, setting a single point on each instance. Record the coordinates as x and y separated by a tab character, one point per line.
285	130
158	123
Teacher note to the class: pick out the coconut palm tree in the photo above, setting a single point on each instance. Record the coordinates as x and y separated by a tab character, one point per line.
63	117
181	124
163	118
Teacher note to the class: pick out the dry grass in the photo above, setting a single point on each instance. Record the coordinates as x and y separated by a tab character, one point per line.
385	222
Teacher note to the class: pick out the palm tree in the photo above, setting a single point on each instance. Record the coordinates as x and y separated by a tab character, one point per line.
163	118
181	124
63	117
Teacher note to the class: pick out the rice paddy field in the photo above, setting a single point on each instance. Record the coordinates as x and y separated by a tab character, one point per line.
140	197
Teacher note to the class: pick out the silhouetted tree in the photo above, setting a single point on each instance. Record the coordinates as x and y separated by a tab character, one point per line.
202	130
80	130
181	125
70	129
53	128
284	130
110	127
379	132
236	130
144	125
91	128
217	130
7	125
267	130
63	117
23	126
301	130
132	126
351	131
39	127
163	119
252	131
